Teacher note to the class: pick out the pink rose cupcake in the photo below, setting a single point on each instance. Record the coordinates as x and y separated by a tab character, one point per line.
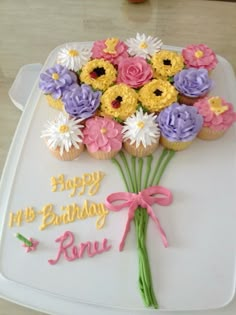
134	72
199	56
111	49
218	116
102	137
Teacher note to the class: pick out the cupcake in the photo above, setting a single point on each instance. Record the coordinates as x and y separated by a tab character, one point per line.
141	134
110	49
119	102
98	73
81	101
53	83
218	116
73	56
179	125
199	56
192	85
102	137
143	46
157	94
166	64
64	137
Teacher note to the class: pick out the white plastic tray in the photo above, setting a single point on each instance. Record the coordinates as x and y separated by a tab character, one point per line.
196	272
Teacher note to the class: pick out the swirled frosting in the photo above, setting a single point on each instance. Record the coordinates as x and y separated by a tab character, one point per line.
55	80
102	134
193	82
199	56
216	112
179	122
81	101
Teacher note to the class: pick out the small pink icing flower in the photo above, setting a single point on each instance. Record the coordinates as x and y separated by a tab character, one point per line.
216	112
134	72
111	49
199	56
102	134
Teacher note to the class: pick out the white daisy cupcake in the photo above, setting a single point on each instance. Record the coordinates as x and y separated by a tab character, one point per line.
143	46
64	137
73	56
141	134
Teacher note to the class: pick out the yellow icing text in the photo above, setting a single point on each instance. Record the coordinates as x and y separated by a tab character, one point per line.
216	105
78	185
27	215
55	76
199	54
73	212
111	45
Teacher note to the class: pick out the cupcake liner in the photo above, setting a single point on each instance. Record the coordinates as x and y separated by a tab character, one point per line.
102	155
57	104
187	100
176	146
210	134
141	151
68	156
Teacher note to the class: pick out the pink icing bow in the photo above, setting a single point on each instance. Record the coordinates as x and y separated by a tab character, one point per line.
144	199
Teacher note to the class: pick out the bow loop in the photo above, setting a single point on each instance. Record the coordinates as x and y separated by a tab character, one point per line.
144	199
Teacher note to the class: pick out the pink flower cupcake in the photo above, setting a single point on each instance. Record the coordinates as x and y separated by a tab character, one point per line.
218	116
134	72
102	137
199	56
111	49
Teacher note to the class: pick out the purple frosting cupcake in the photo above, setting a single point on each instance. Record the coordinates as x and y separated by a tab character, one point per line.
192	84
179	125
81	101
55	80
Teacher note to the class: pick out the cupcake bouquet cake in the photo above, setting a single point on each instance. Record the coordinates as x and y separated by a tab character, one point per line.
133	96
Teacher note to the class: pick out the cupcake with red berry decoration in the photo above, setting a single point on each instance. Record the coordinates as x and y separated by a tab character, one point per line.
110	49
218	116
141	134
199	56
102	137
192	84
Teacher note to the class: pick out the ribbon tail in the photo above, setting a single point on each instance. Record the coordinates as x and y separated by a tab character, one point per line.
127	228
162	232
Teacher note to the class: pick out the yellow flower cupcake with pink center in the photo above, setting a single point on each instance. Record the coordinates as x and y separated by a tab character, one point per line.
102	137
218	116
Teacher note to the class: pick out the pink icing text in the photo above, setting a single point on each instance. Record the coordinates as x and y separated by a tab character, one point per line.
71	252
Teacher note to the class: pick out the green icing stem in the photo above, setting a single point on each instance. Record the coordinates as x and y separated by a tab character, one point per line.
140	171
159	174
148	170
24	239
121	172
133	161
159	161
122	155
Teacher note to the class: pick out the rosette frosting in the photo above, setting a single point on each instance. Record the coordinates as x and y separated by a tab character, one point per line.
216	112
81	101
141	128
199	56
110	49
102	134
55	80
193	82
134	72
179	122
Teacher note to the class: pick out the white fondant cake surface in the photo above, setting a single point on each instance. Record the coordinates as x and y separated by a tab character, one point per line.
196	271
